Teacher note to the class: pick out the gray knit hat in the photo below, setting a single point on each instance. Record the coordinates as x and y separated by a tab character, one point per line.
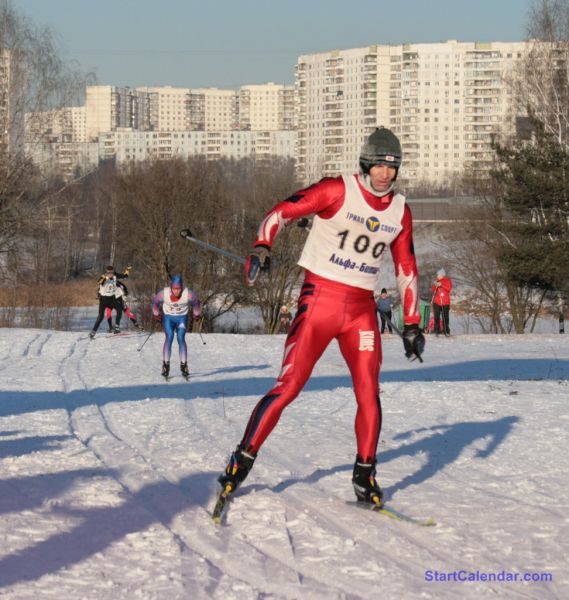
382	147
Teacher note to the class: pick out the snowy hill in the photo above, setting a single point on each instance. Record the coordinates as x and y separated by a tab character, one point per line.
108	473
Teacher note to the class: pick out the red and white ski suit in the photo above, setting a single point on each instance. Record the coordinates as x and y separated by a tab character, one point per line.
342	256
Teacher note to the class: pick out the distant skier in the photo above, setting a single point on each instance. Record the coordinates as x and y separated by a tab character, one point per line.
121	294
106	294
171	307
356	218
384	305
441	302
285	319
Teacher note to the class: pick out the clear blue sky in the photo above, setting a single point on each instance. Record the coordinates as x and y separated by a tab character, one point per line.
221	43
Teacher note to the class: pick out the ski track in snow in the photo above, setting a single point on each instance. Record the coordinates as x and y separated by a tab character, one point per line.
108	473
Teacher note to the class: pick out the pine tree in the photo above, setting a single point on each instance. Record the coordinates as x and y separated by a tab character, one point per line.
533	184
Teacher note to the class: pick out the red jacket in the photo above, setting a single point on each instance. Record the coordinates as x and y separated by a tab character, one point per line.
441	293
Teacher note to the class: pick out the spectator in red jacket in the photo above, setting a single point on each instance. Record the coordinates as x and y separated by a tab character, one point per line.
441	302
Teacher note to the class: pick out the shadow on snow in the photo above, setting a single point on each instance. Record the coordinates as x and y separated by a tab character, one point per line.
17	402
161	502
98	527
438	447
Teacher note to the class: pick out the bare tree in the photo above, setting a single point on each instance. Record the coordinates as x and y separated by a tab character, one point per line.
280	285
541	80
222	202
33	79
477	249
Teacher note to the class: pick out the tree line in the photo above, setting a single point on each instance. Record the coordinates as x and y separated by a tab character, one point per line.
510	252
134	216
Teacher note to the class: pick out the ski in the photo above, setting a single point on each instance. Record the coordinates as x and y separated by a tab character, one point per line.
108	336
170	377
122	334
220	504
392	513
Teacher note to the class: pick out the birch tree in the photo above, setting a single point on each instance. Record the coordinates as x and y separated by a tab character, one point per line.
33	80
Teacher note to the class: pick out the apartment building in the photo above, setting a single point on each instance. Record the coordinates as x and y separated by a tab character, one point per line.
109	107
444	100
169	108
12	101
67	124
4	99
212	109
126	146
113	120
266	107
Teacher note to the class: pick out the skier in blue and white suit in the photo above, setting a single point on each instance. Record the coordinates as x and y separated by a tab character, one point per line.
171	306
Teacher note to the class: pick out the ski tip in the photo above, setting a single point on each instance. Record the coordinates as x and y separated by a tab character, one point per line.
392	513
399	516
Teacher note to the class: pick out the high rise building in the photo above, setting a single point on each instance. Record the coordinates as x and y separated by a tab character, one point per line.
266	107
56	141
169	108
212	109
445	101
12	101
126	125
109	107
67	124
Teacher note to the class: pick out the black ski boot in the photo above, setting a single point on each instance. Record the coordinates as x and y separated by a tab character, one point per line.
116	329
237	470
92	335
165	369
364	482
184	369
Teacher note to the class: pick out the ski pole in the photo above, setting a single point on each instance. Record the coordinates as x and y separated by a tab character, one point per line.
147	338
200	325
187	234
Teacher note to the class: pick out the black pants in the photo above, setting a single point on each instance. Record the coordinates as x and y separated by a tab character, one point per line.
441	312
384	322
108	302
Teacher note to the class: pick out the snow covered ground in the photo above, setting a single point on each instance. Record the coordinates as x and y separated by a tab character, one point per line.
108	473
